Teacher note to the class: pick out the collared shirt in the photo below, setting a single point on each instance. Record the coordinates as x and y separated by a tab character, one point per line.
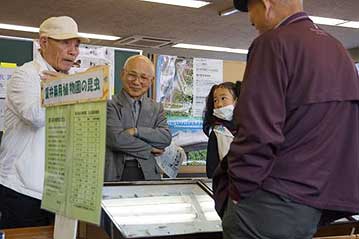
22	151
298	118
135	105
280	23
136	108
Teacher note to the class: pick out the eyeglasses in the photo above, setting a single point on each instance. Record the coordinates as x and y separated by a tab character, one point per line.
143	78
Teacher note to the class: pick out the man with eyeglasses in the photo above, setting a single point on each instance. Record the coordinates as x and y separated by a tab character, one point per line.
137	128
22	152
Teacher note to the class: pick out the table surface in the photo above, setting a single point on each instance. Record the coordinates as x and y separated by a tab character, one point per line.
30	233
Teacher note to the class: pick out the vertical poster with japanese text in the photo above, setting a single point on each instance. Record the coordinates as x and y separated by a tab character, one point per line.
75	143
206	73
182	85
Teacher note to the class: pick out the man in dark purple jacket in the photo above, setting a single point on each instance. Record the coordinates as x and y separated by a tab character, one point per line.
295	158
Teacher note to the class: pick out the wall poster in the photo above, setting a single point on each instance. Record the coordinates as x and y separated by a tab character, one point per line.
182	85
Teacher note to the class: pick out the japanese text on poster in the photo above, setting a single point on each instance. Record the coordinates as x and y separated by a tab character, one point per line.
75	145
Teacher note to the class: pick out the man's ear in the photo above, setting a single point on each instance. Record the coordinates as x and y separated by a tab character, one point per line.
43	41
268	4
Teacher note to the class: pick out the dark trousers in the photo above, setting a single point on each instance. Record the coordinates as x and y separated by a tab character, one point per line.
265	215
132	171
18	210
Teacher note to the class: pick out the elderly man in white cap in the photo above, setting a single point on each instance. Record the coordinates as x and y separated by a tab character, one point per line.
22	152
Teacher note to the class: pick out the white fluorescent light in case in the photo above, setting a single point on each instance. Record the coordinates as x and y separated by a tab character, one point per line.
182	3
211	48
152	210
36	30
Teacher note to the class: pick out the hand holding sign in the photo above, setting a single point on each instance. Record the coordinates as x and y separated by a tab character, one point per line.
48	75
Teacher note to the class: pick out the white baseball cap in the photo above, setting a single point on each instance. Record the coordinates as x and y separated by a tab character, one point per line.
61	28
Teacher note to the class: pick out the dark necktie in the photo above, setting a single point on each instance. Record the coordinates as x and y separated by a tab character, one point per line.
136	109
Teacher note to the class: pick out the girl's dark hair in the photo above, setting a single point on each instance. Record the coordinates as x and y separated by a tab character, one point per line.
234	89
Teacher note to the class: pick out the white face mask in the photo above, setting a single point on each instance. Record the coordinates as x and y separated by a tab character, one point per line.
225	113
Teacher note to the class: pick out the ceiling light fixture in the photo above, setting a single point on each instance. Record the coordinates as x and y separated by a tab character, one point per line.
335	22
36	30
327	21
18	28
99	36
211	48
350	24
16	38
182	3
318	20
227	12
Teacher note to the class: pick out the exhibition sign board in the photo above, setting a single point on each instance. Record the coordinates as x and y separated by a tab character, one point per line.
75	143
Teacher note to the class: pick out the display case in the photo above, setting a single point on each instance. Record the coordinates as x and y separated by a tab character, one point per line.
207	183
160	209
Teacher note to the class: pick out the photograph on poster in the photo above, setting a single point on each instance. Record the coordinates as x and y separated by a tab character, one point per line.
183	84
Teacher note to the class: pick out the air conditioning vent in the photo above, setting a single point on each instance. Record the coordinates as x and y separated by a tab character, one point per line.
144	42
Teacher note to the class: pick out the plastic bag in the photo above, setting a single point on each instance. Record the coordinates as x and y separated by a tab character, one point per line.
224	140
171	160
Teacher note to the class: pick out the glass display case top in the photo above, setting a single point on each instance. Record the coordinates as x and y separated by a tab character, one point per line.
160	210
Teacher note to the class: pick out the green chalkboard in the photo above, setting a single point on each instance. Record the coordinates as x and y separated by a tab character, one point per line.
120	59
15	51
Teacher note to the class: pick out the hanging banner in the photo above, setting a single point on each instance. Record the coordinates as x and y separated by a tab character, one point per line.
75	143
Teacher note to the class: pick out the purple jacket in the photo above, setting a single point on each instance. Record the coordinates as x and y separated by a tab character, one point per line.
298	117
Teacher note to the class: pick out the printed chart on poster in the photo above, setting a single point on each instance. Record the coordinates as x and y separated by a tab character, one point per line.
75	143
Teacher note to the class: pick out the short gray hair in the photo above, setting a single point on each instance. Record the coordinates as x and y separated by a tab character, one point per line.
145	58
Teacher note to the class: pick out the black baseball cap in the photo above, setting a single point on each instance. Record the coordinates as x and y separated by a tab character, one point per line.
241	5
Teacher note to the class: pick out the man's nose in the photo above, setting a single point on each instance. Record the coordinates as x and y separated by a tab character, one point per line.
137	79
73	50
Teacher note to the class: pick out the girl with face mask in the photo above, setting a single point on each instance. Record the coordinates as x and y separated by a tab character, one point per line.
218	123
